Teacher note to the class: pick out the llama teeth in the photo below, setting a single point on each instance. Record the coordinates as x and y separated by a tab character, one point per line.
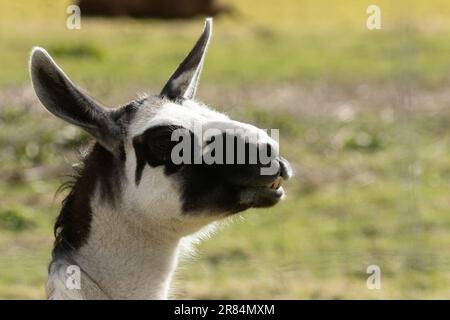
270	185
276	184
280	181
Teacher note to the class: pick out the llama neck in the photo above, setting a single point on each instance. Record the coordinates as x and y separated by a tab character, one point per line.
123	261
123	250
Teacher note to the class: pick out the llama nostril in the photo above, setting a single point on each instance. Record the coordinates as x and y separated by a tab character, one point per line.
286	170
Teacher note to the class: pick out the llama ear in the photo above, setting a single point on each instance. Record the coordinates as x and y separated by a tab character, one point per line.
183	82
62	98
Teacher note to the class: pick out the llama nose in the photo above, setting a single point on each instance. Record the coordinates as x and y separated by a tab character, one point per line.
280	170
285	168
284	172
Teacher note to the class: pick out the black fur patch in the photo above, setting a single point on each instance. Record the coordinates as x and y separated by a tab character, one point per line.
204	187
154	147
102	168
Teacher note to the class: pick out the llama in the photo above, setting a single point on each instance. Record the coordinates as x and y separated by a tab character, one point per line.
132	211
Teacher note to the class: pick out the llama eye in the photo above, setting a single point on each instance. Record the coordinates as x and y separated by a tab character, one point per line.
161	150
155	146
160	146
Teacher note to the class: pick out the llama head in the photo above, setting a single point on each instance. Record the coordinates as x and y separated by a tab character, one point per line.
151	154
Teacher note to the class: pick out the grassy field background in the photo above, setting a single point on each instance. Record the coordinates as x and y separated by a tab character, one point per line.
364	118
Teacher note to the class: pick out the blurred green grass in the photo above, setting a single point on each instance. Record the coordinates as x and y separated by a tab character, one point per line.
372	182
282	40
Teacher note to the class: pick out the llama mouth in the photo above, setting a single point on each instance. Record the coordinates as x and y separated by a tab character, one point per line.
266	196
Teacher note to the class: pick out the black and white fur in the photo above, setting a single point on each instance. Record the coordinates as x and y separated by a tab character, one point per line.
131	211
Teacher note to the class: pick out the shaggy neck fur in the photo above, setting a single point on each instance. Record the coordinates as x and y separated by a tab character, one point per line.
120	257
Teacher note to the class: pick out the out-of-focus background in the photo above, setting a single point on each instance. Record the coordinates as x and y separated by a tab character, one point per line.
364	117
